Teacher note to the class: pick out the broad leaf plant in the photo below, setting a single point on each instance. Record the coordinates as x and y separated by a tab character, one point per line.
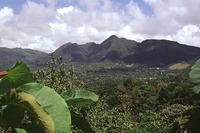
26	106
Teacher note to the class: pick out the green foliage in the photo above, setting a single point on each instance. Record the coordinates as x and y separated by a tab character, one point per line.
57	76
195	76
17	75
66	83
131	104
189	122
28	106
53	109
142	100
165	119
81	123
33	98
18	130
104	119
74	97
146	124
175	92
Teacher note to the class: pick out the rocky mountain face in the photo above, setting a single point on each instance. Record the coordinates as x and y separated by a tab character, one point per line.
151	52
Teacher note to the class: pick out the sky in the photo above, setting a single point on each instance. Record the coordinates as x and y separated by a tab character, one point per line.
45	25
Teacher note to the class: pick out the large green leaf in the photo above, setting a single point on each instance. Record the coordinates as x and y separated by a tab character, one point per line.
74	97
194	76
196	89
51	102
29	102
18	75
195	73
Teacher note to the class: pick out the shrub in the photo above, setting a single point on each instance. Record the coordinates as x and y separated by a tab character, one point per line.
57	76
165	119
104	119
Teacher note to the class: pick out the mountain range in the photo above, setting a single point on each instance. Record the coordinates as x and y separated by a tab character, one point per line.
9	56
150	52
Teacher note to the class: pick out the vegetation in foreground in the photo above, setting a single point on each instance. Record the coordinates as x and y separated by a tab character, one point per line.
151	102
26	107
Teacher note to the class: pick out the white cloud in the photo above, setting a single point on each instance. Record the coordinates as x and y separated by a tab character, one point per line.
33	16
23	27
6	14
134	11
152	1
65	10
189	34
45	27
